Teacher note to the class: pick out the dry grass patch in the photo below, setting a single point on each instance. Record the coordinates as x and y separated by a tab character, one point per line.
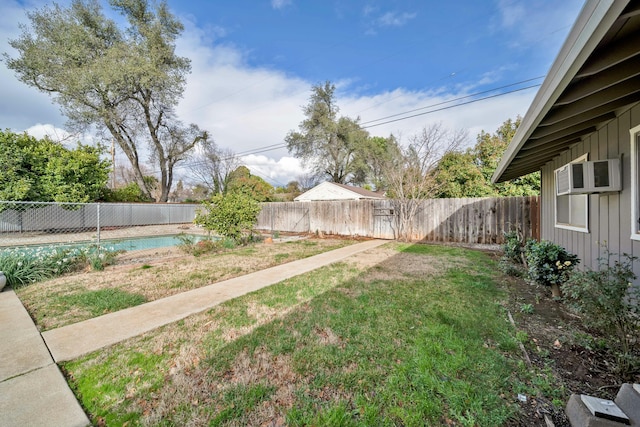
161	277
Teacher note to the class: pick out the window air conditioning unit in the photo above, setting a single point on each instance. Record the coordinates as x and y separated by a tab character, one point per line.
597	176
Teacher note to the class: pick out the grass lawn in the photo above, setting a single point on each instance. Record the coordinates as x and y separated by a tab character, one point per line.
400	335
80	296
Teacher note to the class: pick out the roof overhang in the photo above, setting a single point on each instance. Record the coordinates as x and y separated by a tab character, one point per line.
595	76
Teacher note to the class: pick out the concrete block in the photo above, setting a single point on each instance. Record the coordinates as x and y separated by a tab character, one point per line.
580	416
628	399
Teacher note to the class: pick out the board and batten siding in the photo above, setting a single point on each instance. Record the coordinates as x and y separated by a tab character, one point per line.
609	218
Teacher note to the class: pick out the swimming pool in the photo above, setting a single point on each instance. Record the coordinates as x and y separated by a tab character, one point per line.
131	244
152	242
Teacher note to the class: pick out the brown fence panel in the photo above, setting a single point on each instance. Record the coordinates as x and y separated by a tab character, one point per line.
466	220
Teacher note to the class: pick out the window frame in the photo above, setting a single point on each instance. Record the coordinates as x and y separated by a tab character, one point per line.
563	226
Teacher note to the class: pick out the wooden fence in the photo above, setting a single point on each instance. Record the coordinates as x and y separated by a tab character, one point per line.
470	220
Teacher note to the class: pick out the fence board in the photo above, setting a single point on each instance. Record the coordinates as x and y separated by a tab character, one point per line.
471	220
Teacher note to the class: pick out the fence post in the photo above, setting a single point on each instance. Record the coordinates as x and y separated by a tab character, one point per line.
98	225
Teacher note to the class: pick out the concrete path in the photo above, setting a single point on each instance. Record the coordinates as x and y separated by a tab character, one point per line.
33	391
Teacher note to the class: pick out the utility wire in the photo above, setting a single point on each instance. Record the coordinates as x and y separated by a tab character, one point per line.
456	99
451	106
283	145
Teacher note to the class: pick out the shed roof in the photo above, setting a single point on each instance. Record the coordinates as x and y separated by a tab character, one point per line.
346	192
594	78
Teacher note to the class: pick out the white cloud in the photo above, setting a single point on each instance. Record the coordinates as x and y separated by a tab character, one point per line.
395	19
280	4
275	172
244	108
512	12
247	108
53	133
536	22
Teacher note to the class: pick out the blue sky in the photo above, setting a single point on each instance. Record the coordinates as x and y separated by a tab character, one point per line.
254	63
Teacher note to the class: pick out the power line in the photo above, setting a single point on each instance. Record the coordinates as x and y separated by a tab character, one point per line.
279	146
452	106
456	99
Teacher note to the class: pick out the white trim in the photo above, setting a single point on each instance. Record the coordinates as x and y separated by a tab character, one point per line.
572	227
634	140
585	229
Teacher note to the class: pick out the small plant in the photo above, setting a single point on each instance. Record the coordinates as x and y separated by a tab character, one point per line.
522	336
99	257
549	264
190	246
513	262
608	302
187	241
526	308
509	268
513	247
229	243
23	266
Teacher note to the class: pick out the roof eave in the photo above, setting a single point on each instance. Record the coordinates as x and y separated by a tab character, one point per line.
594	20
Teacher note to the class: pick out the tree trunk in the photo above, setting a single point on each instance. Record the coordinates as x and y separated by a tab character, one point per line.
555	291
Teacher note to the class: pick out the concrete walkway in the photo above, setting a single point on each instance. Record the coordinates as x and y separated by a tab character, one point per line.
33	391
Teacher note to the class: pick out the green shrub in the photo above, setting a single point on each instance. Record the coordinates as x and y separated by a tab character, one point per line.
549	264
23	266
608	302
189	245
513	261
231	215
527	308
513	247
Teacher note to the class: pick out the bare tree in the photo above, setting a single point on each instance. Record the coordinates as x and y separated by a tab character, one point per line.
213	167
410	172
308	180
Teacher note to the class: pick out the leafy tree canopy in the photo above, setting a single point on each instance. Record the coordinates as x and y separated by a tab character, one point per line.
242	181
468	173
42	170
328	143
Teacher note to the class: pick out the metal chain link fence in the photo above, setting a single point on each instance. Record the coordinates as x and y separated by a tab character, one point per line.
25	223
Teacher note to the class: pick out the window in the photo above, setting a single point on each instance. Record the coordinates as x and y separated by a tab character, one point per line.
572	210
635	182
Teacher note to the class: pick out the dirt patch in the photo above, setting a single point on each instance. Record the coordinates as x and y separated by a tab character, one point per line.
327	337
554	343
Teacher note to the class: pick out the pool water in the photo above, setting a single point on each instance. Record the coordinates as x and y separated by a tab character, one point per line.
133	244
141	243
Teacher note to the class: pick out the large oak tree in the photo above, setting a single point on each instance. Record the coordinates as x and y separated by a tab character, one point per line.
125	82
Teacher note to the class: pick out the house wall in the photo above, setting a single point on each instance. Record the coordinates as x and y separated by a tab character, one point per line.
609	217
